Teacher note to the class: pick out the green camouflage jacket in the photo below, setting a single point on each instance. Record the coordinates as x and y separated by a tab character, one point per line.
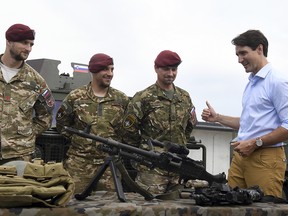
26	106
151	114
81	108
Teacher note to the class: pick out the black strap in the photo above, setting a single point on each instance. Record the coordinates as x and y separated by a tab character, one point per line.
130	183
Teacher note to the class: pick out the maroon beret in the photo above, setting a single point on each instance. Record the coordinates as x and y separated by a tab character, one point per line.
167	58
99	62
20	32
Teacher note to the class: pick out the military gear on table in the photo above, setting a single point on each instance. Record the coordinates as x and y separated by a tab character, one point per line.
35	184
26	105
223	194
82	108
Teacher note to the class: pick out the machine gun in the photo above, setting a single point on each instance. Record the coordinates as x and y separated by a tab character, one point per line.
186	167
223	194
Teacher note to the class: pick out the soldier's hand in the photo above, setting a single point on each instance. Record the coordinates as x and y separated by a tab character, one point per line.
209	114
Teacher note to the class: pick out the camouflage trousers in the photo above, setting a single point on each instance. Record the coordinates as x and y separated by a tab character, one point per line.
157	183
82	172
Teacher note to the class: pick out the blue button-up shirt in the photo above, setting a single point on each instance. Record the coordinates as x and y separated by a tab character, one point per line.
264	103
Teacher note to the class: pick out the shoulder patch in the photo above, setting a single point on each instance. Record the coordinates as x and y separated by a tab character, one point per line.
129	121
60	113
64	109
47	99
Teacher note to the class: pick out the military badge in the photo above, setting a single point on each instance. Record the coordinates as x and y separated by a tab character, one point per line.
60	113
129	121
65	109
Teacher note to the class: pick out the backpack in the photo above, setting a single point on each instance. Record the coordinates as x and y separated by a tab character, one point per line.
35	184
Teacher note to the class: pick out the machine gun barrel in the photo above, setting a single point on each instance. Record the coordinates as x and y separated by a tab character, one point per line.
113	143
186	167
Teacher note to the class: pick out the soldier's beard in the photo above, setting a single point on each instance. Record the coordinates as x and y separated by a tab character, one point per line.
19	57
104	85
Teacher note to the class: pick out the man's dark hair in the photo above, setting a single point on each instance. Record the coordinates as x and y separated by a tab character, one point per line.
252	39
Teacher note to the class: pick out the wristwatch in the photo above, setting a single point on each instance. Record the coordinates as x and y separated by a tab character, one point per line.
259	142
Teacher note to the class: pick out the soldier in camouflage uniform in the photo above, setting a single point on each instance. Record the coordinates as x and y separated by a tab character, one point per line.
163	112
99	105
26	102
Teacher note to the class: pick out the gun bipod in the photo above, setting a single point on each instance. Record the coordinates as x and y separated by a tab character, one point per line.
109	162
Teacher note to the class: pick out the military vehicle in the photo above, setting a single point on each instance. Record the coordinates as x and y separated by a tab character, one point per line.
52	146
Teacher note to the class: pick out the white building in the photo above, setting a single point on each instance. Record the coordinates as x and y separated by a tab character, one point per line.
215	140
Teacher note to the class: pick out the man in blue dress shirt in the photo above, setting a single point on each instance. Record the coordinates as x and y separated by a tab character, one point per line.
259	156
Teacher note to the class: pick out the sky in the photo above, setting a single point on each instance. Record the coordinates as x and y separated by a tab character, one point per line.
133	32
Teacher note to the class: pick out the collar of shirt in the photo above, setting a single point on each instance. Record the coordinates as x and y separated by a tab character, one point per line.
253	78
